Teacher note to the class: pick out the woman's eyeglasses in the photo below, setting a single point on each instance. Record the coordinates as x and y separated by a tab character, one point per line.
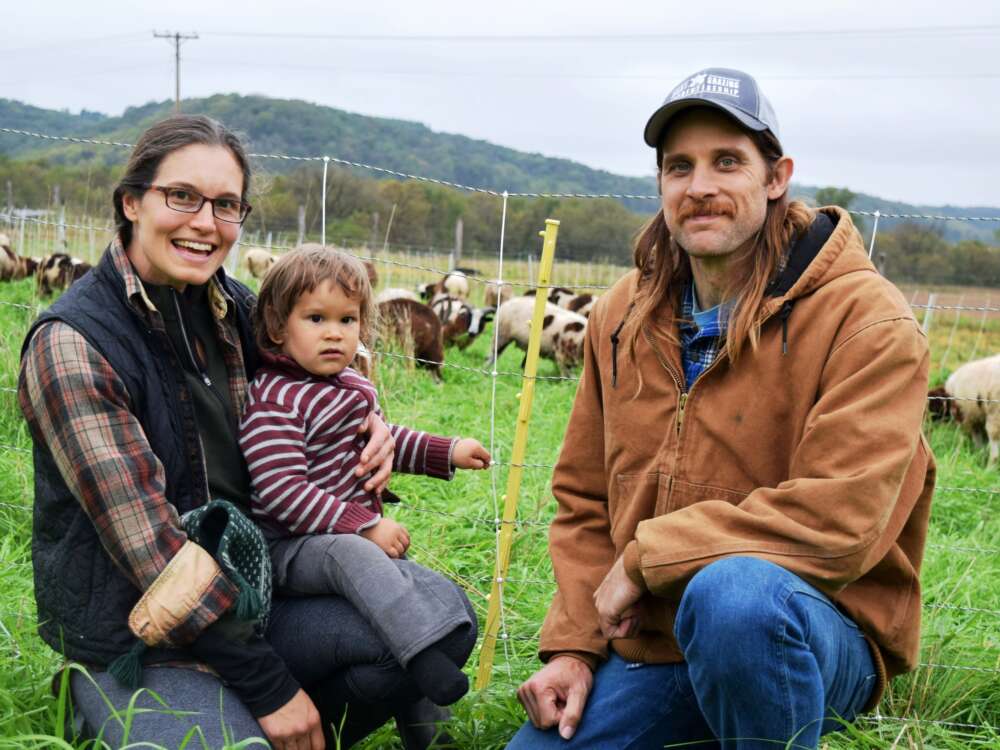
190	202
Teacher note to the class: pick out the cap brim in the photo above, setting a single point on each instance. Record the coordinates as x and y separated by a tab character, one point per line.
660	118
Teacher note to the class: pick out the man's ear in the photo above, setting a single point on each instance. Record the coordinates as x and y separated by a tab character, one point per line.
130	206
781	178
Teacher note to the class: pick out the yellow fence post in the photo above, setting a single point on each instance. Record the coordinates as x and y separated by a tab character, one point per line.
512	494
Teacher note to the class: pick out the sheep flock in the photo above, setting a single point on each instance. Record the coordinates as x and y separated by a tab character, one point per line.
438	315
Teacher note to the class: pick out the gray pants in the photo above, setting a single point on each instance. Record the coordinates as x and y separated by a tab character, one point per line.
327	646
411	607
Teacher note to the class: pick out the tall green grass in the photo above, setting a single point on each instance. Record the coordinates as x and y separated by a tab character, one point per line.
452	530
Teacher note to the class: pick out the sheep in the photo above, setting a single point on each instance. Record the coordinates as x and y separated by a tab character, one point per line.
455	284
26	267
562	331
494	299
976	386
406	320
580	303
461	323
558	295
8	260
258	261
57	272
394	293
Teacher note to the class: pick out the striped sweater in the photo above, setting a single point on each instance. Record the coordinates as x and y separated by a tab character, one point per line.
299	435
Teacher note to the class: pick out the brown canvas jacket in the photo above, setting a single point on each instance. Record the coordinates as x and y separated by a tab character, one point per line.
812	459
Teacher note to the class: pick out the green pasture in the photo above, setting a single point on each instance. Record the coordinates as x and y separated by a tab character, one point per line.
951	701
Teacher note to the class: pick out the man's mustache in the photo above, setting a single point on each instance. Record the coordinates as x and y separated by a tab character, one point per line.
705	208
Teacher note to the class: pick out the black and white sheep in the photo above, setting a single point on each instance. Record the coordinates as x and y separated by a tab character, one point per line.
971	396
461	323
562	331
558	295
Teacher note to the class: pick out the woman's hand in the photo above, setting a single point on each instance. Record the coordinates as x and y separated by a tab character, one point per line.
376	458
294	726
390	535
470	454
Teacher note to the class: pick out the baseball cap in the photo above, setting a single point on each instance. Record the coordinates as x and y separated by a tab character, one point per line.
734	92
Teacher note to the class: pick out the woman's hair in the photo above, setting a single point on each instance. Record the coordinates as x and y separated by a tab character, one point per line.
665	269
299	272
161	140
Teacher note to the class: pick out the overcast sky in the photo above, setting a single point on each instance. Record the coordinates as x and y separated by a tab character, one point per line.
899	99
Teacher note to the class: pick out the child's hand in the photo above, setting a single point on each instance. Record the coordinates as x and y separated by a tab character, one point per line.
391	536
470	454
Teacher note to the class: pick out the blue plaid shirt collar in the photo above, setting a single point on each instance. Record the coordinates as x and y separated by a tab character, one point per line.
701	335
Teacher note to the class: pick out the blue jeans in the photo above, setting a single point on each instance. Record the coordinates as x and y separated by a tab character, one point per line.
770	662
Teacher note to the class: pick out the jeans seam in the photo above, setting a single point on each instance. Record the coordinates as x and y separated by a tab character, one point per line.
782	642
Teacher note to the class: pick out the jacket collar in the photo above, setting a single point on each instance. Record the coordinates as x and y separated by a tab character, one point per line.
135	294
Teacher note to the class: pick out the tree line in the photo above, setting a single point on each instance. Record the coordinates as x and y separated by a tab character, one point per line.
420	214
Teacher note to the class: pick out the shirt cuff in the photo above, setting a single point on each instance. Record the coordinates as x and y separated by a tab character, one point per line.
437	464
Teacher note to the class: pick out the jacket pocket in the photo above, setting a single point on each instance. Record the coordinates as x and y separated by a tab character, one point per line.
634	498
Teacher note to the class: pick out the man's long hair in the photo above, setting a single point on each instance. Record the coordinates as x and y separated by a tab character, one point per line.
665	268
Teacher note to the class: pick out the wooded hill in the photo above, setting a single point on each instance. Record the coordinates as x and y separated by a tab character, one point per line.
425	214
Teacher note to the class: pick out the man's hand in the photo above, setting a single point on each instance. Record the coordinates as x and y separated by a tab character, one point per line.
391	536
469	453
615	600
557	694
377	455
294	726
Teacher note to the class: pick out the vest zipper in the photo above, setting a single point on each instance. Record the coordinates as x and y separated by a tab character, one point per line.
234	428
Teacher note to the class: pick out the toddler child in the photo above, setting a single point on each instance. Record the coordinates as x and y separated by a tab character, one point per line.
299	434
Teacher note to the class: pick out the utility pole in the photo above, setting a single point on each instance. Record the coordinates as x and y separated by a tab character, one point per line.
176	38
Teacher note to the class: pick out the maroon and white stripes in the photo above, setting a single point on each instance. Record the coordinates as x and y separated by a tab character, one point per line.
299	435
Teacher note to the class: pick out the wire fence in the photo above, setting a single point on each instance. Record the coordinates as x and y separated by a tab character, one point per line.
490	520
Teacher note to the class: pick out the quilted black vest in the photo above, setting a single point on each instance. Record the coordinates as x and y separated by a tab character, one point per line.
83	599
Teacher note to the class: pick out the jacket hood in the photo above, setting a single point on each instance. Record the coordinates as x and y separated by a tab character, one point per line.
830	248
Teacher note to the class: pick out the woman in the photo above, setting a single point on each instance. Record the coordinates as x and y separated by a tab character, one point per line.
132	385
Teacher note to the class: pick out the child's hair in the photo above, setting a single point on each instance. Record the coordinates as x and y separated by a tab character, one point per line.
300	271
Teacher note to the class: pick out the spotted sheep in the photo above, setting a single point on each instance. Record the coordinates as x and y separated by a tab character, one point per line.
569	300
12	266
57	272
562	333
405	321
455	284
461	323
971	397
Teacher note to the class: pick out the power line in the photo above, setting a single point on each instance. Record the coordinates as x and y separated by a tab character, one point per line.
542	75
687	36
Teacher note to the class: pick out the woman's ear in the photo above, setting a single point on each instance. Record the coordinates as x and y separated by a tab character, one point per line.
130	206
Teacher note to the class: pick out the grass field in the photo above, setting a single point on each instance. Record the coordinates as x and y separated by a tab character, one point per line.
951	701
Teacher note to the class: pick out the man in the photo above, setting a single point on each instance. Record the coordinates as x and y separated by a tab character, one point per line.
743	488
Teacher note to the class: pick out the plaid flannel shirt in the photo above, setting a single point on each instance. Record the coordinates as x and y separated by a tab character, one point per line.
75	403
699	344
